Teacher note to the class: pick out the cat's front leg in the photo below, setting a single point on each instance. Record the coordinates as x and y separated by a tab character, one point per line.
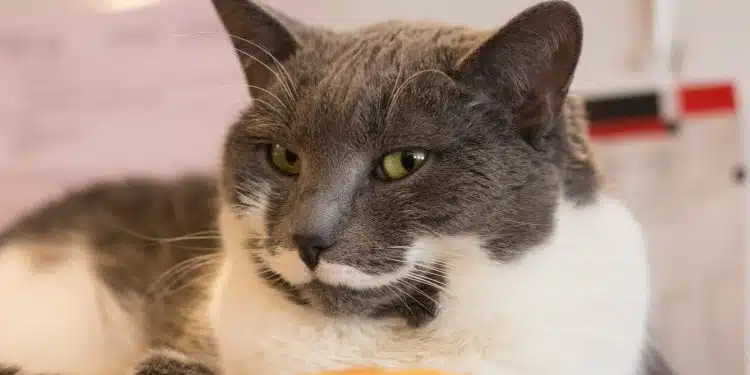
169	362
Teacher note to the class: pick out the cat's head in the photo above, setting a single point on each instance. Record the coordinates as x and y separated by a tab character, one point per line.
371	157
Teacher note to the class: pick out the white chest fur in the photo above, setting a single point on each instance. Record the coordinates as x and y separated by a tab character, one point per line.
576	305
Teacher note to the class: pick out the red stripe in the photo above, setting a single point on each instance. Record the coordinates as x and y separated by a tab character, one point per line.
698	99
627	127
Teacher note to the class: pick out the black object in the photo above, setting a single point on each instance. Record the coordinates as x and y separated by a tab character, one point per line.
655	364
636	106
740	174
672	127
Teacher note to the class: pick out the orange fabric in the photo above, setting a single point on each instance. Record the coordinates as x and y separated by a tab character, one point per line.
384	372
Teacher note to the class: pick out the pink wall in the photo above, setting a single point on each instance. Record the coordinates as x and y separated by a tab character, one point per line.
97	95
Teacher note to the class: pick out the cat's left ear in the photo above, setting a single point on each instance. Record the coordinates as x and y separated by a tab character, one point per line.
529	64
262	37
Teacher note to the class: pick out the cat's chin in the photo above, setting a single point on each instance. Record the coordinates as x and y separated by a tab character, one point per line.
407	298
342	301
340	290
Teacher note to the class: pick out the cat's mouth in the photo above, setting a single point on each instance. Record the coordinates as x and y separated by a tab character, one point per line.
353	278
288	265
414	297
410	290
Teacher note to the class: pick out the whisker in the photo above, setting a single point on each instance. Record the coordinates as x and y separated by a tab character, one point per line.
420	292
195	281
276	61
397	294
405	261
201	279
260	89
415	298
179	270
423	265
395	97
269	106
393	91
433	271
190	236
433	262
202	248
428	281
278	78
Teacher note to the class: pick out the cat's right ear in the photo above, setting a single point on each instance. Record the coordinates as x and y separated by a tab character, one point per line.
262	37
528	64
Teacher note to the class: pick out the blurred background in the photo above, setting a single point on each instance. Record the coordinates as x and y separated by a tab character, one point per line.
105	88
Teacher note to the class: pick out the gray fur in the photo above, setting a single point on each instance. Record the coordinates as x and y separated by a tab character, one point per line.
487	106
166	363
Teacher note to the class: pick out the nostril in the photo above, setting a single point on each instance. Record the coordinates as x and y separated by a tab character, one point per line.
310	247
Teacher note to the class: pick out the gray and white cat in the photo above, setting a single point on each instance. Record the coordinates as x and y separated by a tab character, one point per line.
403	195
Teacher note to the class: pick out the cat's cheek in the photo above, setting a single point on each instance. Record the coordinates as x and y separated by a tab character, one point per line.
288	264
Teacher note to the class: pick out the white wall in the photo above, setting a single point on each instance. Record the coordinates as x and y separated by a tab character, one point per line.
616	31
613	43
714	36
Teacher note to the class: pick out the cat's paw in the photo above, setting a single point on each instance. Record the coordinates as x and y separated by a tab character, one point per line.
168	362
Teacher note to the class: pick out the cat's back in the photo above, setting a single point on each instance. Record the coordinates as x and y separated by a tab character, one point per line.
109	255
121	211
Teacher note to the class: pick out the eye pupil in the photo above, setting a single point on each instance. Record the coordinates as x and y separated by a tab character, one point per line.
291	157
408	161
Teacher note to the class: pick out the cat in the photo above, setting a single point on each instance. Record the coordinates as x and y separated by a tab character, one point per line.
404	195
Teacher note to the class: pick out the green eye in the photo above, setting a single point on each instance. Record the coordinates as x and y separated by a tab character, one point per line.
284	159
400	164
